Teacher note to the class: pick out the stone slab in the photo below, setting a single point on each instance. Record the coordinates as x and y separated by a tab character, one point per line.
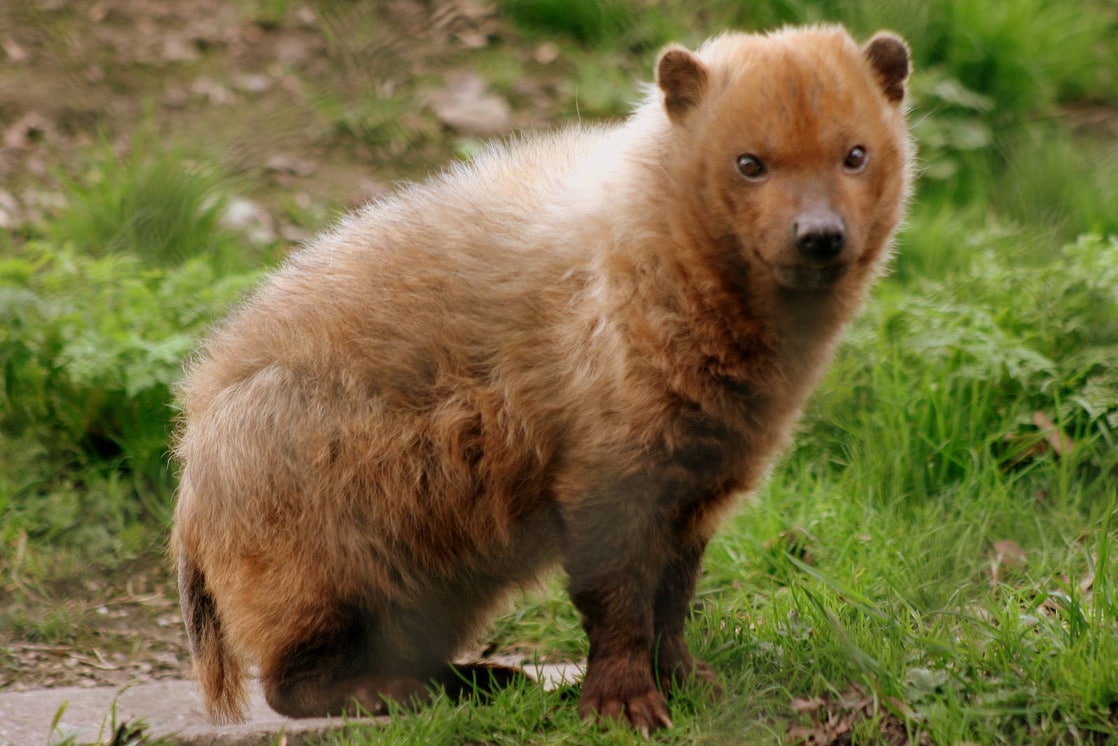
173	709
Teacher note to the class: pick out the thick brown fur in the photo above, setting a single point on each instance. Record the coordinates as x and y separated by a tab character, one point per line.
576	349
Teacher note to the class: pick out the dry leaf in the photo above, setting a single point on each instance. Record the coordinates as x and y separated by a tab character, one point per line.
803	706
16	52
1008	554
1060	443
833	719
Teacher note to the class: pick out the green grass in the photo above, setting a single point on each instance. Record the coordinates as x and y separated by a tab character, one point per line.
595	23
1023	53
882	557
113	732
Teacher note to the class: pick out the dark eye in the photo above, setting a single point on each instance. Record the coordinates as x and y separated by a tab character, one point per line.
856	159
750	166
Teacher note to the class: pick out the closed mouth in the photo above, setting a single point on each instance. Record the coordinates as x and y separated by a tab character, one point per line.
809	276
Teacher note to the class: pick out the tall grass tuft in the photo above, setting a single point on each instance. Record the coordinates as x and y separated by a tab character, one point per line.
153	203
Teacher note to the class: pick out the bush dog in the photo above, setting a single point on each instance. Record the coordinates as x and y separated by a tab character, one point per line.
576	349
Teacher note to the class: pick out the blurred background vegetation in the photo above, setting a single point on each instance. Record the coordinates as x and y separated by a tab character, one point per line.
158	157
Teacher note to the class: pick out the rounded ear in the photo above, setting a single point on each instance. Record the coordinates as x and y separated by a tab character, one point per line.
888	55
682	77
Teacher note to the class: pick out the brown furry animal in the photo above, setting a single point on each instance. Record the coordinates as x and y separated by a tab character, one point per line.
577	348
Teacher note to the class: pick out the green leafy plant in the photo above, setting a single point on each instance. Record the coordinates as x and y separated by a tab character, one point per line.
90	350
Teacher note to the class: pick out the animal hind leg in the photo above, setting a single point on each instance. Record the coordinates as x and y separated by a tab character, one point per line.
436	627
353	665
341	669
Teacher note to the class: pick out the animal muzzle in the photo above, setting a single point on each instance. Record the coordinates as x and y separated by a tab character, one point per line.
819	236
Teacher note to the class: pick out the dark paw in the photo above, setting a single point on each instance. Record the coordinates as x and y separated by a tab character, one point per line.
646	711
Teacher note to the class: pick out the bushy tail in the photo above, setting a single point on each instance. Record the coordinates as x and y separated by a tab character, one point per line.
220	674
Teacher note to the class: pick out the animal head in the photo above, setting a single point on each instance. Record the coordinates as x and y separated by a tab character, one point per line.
794	144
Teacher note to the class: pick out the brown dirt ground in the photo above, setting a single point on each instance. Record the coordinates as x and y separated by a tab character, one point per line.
286	105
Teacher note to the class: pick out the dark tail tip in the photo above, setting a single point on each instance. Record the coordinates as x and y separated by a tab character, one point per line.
219	674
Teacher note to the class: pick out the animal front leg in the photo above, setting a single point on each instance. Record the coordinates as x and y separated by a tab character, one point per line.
614	557
619	683
673	662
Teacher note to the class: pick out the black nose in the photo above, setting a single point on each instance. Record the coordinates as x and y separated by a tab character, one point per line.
819	237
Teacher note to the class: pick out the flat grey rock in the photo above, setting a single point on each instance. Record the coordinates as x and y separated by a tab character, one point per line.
466	104
174	709
170	708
